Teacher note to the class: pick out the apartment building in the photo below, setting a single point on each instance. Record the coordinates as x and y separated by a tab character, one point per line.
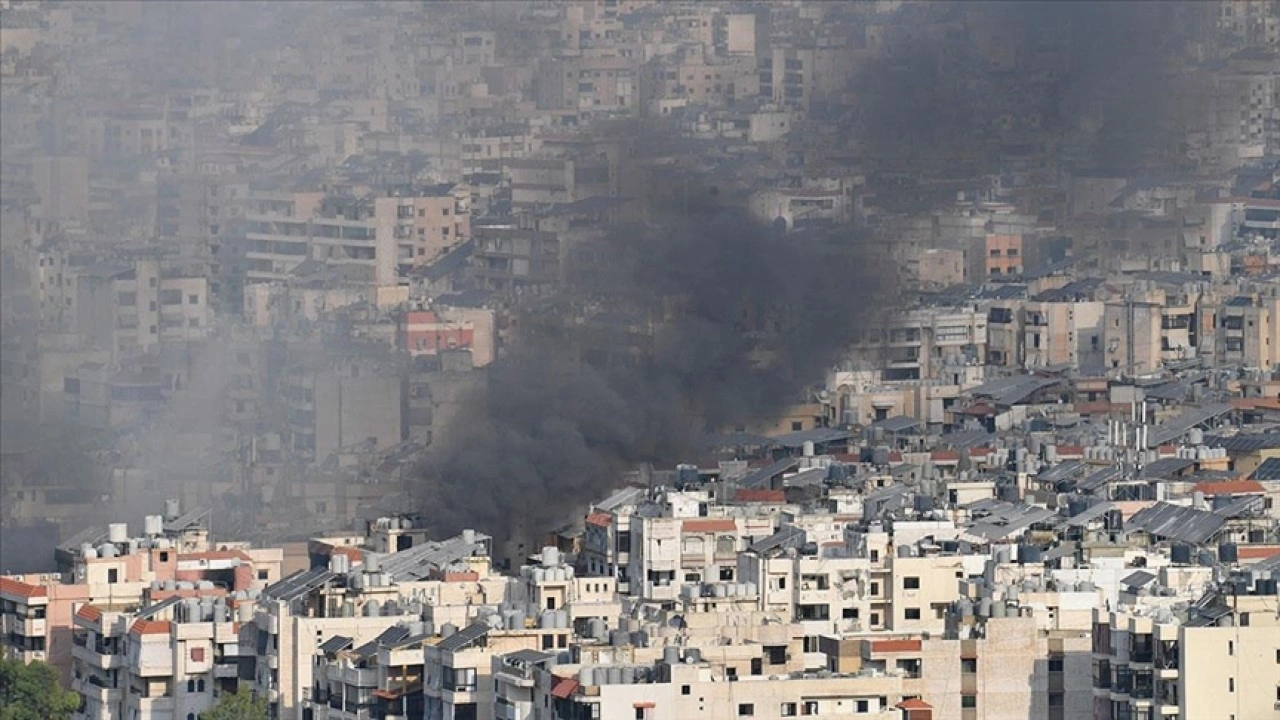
1217	661
1250	330
920	344
344	400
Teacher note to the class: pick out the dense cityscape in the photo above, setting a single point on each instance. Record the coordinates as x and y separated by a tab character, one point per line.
639	360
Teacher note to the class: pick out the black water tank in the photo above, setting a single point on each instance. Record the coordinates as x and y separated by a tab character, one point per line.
1227	553
1180	554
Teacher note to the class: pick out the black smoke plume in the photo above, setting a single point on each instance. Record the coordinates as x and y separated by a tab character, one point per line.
952	87
696	321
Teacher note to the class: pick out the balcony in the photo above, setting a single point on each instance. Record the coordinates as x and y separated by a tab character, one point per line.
97	657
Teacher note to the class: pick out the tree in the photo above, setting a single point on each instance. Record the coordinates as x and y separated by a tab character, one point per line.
241	706
32	692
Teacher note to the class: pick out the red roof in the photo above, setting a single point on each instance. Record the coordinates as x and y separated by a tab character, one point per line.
914	704
150	627
599	518
1093	408
895	456
564	687
846	457
759	495
1230	487
708	525
1257	552
944	456
1070	451
9	586
89	612
216	555
979	452
890	646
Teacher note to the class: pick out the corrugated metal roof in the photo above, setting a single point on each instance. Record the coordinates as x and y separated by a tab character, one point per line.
763	478
1175	522
817	436
1268	471
1137	579
298	584
1244	442
1174	428
787	537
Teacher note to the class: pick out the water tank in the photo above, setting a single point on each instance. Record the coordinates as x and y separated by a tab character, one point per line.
448	629
539	575
1195	436
730	589
586	676
547	619
1227	553
132	546
904	551
718	590
671	655
1029	555
172	509
107	550
1075	507
600	676
204	585
372	563
619	638
550	556
244	612
1086	586
965	606
562	619
598	628
568	572
998	610
469	536
1004	554
391	608
348	609
807	448
693	655
984	607
87	552
373	608
1180	554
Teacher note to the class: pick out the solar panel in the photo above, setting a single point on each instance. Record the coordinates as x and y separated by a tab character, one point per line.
464	637
335	644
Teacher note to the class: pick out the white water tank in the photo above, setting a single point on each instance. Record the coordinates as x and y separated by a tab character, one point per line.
550	556
118	532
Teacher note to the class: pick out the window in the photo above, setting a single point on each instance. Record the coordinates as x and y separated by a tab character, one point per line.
746	709
796	426
191	686
197	655
875	589
788	709
164	556
684	689
200	685
639	713
968	701
912	614
862	706
262	574
1055	664
193	299
1231	647
113	575
875	619
911	583
726	573
548	642
1055	700
968	665
777	654
1231	684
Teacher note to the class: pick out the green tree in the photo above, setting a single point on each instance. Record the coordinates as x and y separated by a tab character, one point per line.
241	706
32	692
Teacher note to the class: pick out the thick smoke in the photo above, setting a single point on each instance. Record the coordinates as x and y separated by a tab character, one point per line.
699	321
1092	84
